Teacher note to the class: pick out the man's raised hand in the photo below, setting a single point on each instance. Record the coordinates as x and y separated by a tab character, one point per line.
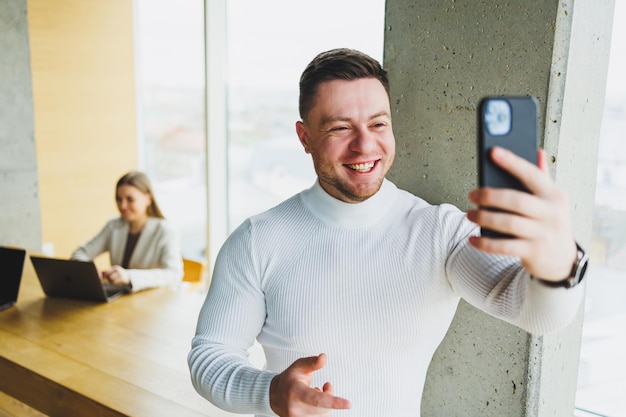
291	394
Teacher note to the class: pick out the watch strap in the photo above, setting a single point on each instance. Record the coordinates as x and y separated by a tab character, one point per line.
579	268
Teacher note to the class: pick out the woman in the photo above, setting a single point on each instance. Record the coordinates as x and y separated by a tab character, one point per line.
142	245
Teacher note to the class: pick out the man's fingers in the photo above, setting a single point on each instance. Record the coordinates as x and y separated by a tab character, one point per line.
511	247
324	399
310	364
338	403
291	392
512	201
328	388
532	176
542	160
506	223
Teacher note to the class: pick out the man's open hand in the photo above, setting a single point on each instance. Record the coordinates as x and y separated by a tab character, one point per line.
291	394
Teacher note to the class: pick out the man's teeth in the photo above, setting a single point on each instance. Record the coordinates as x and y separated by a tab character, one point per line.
362	167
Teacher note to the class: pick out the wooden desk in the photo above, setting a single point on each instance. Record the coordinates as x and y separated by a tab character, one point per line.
125	358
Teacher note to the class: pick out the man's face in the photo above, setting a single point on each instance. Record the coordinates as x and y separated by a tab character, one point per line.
349	136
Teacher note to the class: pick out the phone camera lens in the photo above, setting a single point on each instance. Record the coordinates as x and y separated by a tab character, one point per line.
497	117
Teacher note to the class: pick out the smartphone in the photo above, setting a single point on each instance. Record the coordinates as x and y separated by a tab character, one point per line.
508	122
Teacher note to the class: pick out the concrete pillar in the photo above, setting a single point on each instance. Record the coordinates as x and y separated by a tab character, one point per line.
20	222
443	56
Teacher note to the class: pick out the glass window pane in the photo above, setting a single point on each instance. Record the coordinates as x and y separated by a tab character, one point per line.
170	80
269	45
602	372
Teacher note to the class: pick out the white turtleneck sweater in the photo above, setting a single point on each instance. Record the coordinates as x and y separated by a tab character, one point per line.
374	285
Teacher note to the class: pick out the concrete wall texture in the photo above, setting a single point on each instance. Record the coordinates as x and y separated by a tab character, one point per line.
443	57
20	223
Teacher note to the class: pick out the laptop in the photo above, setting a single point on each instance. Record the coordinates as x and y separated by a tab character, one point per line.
11	266
79	280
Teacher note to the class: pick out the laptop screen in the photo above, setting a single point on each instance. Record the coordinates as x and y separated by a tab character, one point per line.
11	267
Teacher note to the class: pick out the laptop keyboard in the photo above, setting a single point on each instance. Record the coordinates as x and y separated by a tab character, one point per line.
111	289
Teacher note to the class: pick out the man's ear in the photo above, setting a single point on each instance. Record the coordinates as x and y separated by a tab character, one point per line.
303	135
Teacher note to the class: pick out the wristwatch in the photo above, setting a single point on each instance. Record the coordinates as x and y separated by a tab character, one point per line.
577	273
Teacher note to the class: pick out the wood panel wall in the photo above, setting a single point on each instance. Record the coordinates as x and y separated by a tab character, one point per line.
82	60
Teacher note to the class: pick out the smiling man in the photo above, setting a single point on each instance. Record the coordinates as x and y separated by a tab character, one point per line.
349	136
351	285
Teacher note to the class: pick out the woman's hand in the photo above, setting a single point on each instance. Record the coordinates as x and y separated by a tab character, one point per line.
116	275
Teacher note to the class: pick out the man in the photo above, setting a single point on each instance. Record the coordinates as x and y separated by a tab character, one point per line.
351	285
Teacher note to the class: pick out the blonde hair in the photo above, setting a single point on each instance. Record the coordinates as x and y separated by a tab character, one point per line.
140	181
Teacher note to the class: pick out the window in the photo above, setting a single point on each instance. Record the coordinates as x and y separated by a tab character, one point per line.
170	96
602	372
267	52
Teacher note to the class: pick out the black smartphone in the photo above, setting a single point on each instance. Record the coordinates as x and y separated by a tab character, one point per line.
508	122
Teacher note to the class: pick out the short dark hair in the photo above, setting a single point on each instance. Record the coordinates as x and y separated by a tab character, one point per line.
337	64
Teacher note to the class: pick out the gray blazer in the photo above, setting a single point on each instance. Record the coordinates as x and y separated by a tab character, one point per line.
156	260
